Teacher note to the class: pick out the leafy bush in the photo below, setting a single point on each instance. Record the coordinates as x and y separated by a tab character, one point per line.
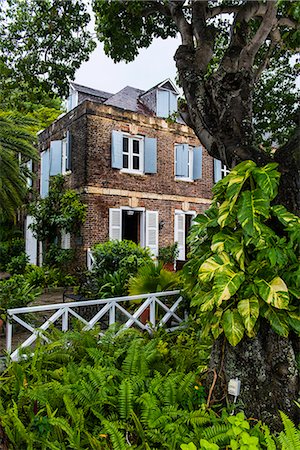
59	257
46	277
17	264
115	263
153	278
16	293
122	391
114	255
244	263
9	250
168	254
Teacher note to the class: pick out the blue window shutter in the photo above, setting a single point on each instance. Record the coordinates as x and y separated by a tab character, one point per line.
173	103
197	163
45	168
182	158
217	170
69	150
150	155
55	157
117	149
162	103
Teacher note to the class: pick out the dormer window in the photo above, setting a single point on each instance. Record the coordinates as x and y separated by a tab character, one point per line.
72	100
166	103
161	99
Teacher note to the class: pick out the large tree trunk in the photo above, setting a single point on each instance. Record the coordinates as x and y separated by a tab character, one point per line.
219	109
266	367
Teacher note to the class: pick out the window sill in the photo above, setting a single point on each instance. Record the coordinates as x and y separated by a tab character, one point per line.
189	180
131	172
68	172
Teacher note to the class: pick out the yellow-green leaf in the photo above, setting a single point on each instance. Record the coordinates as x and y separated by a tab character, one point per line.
226	285
294	321
233	326
249	311
277	321
274	292
252	204
216	263
267	179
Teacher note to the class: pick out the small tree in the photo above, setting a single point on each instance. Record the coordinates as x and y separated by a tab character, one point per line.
243	279
61	211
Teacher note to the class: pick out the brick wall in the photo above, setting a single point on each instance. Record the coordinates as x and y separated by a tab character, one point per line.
103	187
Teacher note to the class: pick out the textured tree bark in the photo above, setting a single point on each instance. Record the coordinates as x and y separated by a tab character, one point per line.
266	367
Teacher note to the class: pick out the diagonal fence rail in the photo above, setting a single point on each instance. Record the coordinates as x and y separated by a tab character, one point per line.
146	311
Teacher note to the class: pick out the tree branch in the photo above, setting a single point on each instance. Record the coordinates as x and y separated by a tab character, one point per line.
265	62
185	29
268	22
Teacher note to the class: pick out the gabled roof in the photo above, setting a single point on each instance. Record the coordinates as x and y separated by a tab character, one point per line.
90	91
166	84
128	98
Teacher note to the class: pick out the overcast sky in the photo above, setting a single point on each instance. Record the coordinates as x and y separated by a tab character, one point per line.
153	65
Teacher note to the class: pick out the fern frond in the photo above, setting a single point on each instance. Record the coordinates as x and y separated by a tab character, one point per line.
290	437
116	437
125	399
217	434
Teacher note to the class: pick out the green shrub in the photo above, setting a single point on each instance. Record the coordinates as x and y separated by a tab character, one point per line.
46	277
113	255
9	250
16	293
59	257
168	254
17	264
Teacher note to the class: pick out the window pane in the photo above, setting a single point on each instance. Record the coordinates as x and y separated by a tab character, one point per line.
136	163
125	145
136	146
125	161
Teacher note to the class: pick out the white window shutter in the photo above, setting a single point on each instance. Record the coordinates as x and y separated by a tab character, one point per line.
162	103
115	224
69	149
217	170
150	155
45	167
117	149
180	234
65	240
30	241
55	157
182	159
152	231
173	103
197	163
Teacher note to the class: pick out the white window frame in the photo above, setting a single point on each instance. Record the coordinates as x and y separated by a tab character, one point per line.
142	222
184	213
190	165
64	156
130	168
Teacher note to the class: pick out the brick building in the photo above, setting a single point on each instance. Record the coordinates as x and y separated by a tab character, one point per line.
143	177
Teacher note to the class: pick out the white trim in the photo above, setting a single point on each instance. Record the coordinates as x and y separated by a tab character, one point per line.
130	153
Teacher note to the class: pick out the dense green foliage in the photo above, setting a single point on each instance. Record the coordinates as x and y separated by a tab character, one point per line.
61	211
16	148
16	293
168	254
244	259
43	42
121	391
10	249
115	262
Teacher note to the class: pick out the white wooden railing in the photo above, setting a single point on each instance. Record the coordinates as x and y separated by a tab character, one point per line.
161	309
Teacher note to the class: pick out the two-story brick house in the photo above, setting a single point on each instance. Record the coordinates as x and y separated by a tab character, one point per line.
143	177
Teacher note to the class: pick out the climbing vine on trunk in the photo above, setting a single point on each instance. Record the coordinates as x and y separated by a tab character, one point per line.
244	260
